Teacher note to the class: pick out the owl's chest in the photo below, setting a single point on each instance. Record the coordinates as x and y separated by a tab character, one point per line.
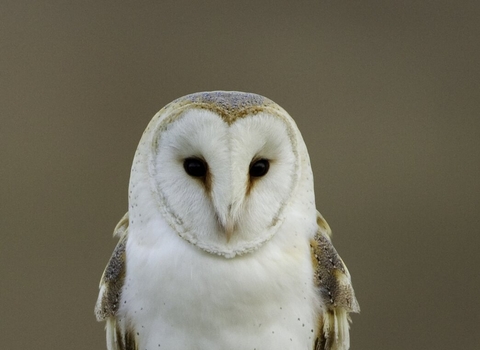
179	297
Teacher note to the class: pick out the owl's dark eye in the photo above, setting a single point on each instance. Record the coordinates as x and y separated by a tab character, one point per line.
195	167
259	168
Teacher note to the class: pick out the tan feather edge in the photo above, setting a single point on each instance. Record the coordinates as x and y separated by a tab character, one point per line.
332	278
119	336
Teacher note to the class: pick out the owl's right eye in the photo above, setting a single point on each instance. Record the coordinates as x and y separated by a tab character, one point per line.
195	167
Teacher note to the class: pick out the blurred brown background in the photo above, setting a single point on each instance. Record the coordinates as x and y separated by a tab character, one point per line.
387	94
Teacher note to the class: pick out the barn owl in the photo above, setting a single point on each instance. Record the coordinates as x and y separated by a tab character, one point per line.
222	247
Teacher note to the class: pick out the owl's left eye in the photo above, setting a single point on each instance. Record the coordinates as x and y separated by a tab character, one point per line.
259	168
195	167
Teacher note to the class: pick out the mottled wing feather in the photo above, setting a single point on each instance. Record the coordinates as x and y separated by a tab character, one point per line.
333	281
111	282
119	337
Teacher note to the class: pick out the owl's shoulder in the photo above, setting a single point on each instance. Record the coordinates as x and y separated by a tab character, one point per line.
113	276
334	284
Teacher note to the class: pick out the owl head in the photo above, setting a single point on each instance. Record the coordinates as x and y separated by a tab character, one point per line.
223	170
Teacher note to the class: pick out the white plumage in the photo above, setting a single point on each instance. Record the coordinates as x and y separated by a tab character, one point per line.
222	246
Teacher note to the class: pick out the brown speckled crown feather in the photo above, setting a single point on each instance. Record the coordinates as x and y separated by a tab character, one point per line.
230	105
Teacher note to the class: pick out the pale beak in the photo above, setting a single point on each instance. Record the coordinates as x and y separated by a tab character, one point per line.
227	222
229	226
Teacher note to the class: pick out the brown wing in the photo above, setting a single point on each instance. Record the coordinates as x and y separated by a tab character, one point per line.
332	278
119	337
